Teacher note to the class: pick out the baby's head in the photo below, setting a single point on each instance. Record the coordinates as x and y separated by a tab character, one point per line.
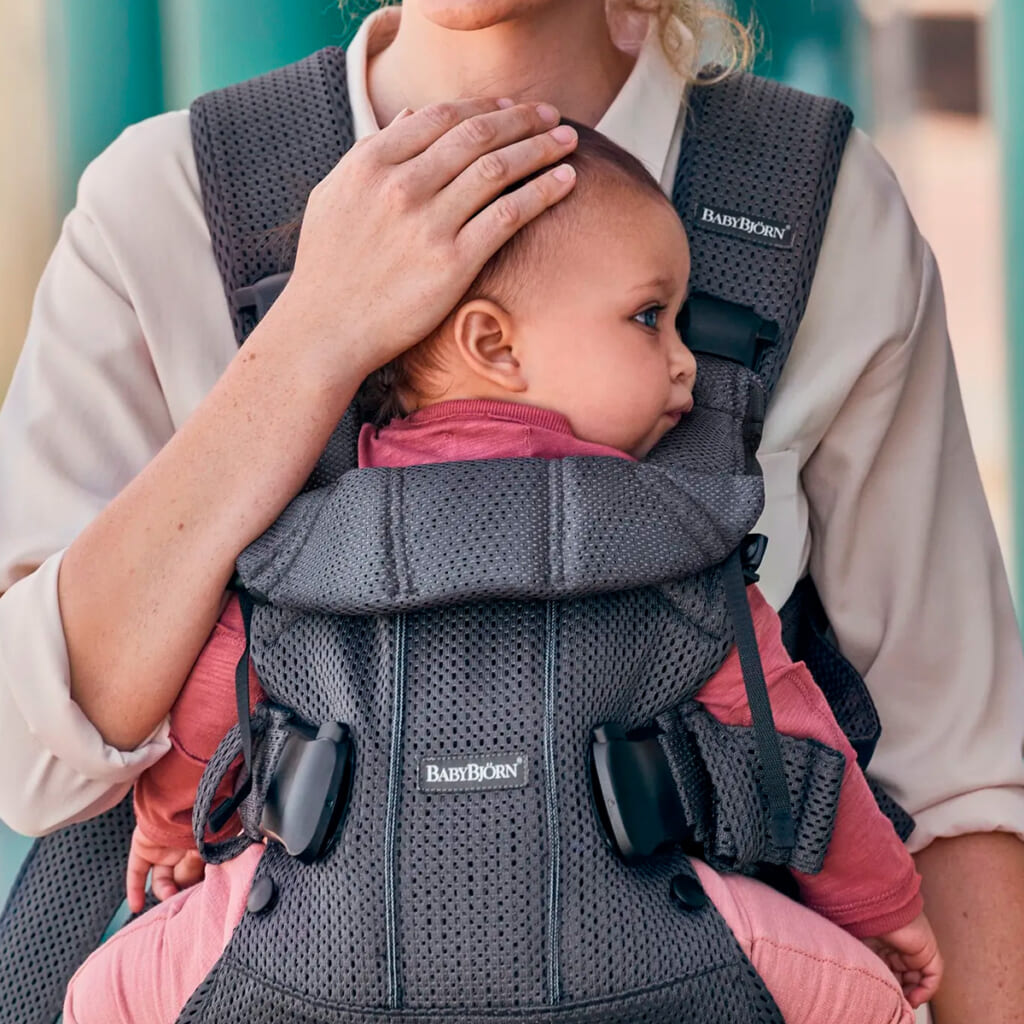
576	314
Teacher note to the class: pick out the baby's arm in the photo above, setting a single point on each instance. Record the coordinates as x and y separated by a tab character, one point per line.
867	883
164	794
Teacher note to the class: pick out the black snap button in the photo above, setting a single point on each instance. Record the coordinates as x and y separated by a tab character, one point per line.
688	893
262	895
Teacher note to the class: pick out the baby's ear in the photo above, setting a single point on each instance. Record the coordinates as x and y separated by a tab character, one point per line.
484	338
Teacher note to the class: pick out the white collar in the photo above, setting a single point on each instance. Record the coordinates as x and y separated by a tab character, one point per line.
642	118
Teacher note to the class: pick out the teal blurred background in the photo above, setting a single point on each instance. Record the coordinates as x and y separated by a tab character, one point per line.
934	82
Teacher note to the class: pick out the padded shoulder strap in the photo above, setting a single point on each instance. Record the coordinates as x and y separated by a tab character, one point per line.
757	169
260	147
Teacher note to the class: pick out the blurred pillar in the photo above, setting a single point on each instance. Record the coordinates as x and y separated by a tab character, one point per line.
1006	39
105	73
212	43
815	45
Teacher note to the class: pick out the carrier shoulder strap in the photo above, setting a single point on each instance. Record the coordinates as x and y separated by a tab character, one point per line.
260	147
754	183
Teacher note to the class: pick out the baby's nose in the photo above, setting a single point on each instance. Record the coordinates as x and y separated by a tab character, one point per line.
684	363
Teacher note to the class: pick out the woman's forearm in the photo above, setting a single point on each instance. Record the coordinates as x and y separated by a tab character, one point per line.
140	587
973	889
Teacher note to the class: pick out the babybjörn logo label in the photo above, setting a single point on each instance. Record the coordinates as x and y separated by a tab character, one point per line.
472	772
743	225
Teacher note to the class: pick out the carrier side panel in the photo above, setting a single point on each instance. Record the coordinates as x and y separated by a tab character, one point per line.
325	935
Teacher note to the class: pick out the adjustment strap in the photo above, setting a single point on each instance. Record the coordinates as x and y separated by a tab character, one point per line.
220	815
769	752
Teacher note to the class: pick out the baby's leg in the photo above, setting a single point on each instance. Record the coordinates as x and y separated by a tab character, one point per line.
148	970
816	972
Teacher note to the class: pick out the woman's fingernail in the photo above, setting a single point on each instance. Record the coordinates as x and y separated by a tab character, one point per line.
563	133
505	103
563	172
547	113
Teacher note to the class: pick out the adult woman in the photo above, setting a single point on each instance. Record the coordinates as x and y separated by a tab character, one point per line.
132	305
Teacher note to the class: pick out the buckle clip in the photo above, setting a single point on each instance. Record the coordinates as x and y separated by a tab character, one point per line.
634	793
310	790
716	327
752	549
261	295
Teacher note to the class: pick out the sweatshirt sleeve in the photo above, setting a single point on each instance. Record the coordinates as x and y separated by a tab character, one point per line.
129	331
201	716
868	883
871	458
84	413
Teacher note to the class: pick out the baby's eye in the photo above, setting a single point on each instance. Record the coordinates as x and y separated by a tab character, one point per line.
649	317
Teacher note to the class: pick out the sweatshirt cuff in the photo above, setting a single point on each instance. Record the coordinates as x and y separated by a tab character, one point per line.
889	921
66	772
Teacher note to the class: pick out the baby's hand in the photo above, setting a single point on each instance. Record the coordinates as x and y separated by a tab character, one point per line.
912	954
174	869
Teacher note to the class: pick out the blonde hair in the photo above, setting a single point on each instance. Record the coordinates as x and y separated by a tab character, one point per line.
714	27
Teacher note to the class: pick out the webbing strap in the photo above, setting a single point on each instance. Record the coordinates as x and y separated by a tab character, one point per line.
774	777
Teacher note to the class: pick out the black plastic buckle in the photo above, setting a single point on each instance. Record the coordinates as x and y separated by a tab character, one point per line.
259	297
310	790
752	549
634	793
713	326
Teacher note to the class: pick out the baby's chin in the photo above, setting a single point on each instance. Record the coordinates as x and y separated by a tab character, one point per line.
665	423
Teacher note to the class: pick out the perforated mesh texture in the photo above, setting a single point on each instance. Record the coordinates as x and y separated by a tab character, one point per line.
718	768
473	869
397	539
733	163
499	899
65	895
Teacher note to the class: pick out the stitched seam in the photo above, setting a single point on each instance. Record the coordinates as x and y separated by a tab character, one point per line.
848	968
444	1013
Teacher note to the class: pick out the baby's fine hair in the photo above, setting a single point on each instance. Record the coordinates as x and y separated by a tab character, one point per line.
599	163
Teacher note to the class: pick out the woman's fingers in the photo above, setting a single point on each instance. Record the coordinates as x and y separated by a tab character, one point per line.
408	136
489	137
496	223
490	174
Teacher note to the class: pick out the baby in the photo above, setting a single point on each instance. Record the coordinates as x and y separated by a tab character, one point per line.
565	345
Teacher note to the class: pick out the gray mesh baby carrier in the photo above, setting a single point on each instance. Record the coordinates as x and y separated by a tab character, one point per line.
506	736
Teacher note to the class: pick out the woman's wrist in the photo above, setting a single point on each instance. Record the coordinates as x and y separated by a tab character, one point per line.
327	357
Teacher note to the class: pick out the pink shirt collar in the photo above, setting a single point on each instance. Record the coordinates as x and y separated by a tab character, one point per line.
466	429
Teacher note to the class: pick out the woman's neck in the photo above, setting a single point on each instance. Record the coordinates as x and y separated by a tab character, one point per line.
561	52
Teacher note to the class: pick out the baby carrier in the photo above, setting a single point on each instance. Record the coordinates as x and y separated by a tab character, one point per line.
480	751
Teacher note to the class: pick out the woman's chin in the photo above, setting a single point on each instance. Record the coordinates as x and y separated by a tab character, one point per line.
471	15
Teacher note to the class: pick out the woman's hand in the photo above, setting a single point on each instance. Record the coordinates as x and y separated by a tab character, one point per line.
397	231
